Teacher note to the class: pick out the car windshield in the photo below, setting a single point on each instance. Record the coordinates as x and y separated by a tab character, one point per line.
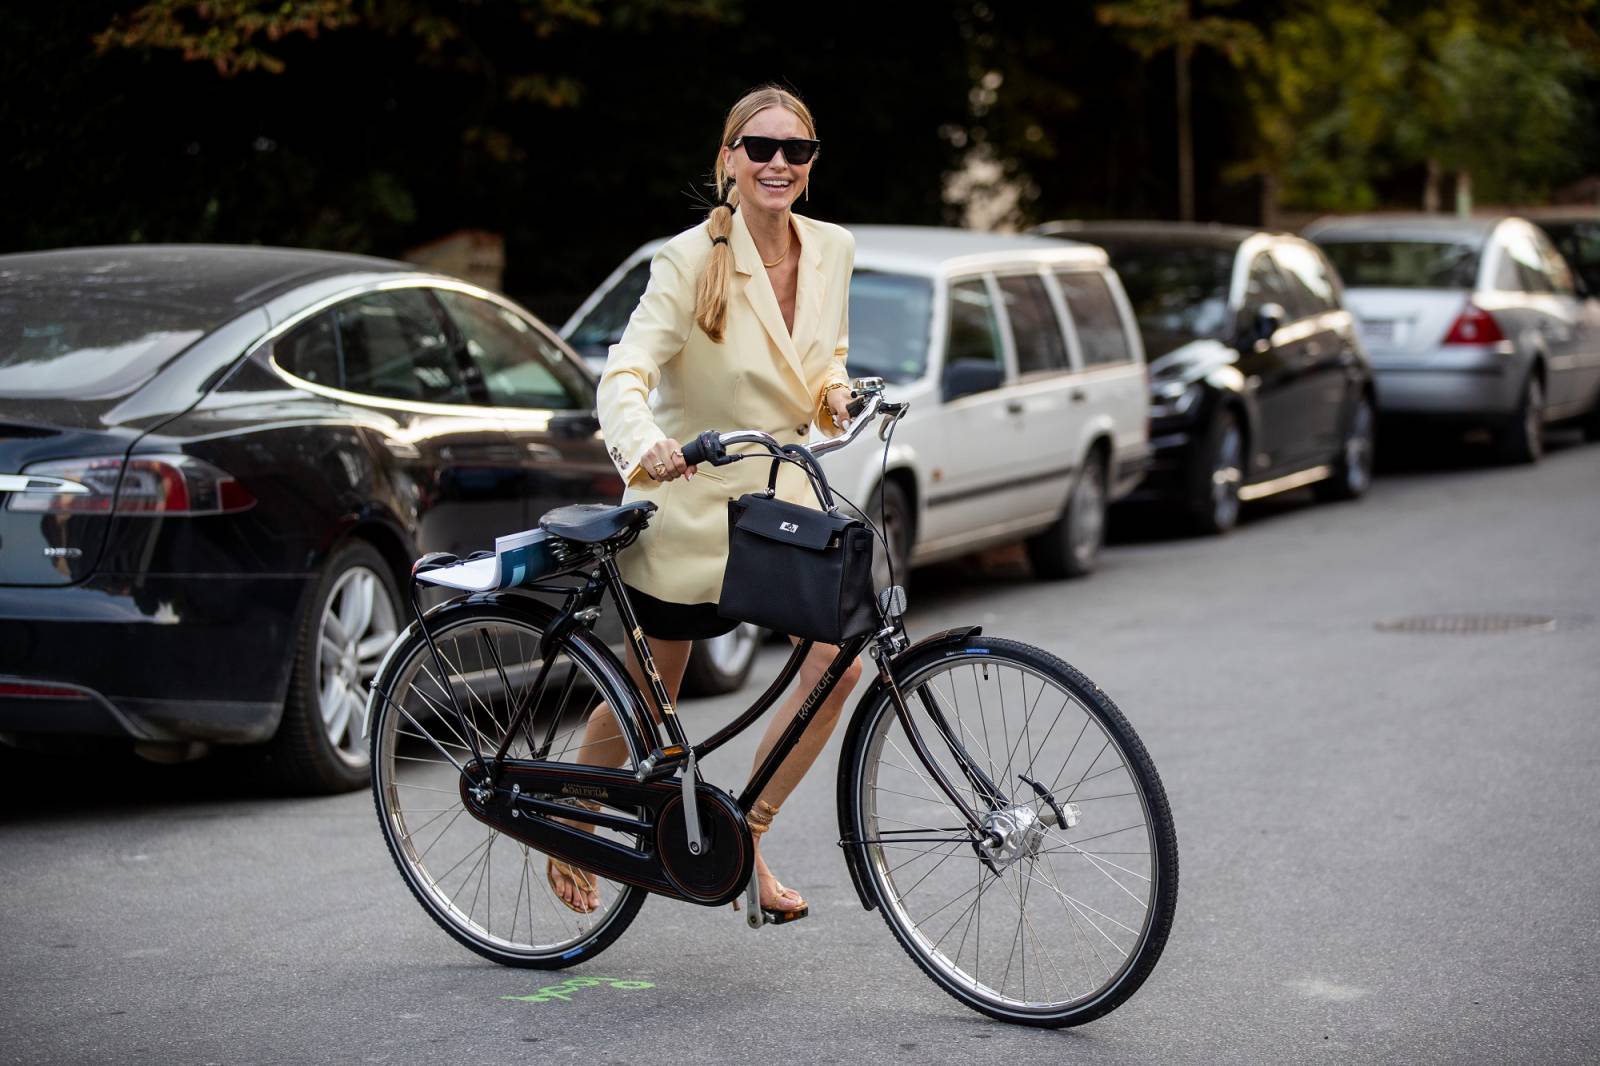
602	327
1179	293
890	321
1405	264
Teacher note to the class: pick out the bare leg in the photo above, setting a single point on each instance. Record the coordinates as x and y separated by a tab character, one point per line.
802	755
603	745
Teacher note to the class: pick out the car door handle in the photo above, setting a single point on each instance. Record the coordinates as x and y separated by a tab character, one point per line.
1077	396
1014	407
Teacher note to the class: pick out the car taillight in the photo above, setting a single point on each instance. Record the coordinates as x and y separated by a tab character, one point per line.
1474	325
38	691
140	485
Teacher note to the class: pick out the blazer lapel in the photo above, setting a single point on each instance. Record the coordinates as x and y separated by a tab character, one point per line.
810	289
758	290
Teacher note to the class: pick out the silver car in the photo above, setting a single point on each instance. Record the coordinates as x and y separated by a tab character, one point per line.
1478	321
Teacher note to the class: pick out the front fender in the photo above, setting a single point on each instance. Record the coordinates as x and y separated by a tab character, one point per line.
855	735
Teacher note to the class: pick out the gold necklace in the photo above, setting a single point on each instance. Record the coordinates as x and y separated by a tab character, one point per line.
780	258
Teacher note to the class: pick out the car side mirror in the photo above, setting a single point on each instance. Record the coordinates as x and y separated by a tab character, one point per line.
1270	318
964	377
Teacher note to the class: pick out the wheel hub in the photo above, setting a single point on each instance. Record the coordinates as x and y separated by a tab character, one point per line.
1015	833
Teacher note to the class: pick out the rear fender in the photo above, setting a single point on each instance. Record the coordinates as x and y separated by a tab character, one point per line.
855	855
540	614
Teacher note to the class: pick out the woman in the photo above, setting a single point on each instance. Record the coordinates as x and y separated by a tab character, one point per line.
742	326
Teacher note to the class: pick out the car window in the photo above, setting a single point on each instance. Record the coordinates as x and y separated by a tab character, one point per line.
1522	268
1094	313
394	345
518	365
1266	285
311	352
1307	276
1555	267
1034	327
1439	264
889	321
602	327
974	329
1579	243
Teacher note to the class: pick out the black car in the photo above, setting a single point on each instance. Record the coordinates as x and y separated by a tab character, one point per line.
217	465
1258	382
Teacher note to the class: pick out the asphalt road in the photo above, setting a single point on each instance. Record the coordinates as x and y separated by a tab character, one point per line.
1388	840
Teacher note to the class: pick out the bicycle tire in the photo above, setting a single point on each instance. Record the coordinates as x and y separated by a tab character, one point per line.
888	822
400	750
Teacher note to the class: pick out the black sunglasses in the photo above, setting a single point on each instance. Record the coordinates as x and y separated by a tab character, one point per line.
797	150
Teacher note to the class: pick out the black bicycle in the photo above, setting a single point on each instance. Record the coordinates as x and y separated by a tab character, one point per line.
994	805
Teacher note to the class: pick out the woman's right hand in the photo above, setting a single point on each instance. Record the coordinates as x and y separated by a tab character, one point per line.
663	461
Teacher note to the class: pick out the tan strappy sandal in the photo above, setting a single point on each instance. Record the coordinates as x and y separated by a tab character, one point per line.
760	820
583	880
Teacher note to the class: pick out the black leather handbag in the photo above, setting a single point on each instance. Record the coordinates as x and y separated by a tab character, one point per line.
797	570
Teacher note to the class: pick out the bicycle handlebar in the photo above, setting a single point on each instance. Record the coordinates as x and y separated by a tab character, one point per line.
712	447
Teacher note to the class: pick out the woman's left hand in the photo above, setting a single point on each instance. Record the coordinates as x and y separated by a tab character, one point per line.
839	406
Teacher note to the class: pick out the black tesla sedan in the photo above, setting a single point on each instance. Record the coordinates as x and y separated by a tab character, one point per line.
216	466
1258	381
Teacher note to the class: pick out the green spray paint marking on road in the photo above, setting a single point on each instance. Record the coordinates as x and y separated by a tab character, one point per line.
564	990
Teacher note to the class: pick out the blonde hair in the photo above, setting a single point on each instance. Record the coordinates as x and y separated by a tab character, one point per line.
711	296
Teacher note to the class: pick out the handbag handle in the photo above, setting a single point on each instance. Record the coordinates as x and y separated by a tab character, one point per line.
814	473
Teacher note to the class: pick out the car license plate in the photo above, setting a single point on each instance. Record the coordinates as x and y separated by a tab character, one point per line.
1378	330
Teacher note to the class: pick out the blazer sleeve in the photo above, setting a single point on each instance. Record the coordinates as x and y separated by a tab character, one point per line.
822	418
655	334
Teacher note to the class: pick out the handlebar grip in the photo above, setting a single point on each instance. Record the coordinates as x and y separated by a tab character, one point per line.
856	406
706	448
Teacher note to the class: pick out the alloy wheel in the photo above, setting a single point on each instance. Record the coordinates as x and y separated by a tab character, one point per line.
357	627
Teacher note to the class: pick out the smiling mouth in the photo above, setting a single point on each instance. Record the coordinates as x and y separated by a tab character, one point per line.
772	183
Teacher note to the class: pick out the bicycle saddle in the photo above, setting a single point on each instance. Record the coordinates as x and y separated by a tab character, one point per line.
591	523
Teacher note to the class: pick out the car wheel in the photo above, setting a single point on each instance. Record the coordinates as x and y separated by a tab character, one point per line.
1214	496
1352	474
351	621
1071	546
1591	424
720	665
1522	438
890	511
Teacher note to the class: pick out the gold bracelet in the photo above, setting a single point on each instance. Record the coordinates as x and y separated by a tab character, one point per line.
827	389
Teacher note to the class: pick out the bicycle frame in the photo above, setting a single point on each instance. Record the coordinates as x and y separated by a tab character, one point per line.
653	720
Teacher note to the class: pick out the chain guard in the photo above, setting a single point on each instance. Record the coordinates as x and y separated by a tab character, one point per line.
529	794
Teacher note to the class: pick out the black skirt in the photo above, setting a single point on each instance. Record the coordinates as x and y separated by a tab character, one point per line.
677	621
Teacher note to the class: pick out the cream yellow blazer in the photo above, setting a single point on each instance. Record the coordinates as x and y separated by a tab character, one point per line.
758	377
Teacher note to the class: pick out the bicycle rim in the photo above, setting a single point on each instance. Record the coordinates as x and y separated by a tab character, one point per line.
1063	925
486	889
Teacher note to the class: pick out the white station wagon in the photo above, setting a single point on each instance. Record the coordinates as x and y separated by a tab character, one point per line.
1025	374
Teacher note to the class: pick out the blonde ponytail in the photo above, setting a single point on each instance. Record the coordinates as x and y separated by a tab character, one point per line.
711	294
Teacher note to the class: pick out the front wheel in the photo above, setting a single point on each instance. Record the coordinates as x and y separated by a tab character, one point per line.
1057	911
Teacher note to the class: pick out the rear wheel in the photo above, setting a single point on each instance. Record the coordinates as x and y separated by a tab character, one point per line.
1352	474
349	624
486	889
1521	439
1071	546
1060	913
